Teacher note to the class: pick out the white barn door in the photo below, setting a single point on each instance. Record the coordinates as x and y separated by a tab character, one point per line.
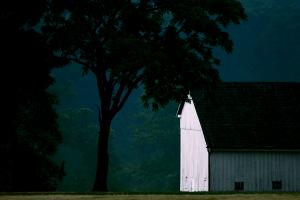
193	151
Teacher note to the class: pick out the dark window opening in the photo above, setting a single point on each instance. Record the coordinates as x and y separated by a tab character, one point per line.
238	186
276	185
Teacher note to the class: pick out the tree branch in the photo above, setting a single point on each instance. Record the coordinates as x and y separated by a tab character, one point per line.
121	101
91	68
78	61
117	97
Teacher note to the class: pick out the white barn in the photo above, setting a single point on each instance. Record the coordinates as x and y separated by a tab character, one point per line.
241	137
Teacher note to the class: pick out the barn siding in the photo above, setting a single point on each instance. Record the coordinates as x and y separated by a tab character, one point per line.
256	169
193	152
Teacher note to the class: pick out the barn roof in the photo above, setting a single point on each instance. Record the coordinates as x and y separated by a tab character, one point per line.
255	115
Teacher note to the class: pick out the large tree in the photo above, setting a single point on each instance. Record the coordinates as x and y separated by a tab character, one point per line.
164	45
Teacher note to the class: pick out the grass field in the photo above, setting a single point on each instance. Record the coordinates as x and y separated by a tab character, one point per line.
68	196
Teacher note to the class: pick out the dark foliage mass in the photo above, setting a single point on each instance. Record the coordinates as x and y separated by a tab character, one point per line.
165	45
30	136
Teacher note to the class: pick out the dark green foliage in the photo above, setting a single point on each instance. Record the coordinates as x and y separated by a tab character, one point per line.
17	13
30	136
165	45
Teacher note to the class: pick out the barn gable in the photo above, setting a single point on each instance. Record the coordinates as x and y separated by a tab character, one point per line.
193	172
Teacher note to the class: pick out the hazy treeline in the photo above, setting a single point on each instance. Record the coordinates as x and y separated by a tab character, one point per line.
144	146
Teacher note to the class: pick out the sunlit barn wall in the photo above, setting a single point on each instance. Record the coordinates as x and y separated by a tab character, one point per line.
256	169
193	152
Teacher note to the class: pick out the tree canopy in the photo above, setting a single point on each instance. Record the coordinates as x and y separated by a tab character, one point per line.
165	45
160	43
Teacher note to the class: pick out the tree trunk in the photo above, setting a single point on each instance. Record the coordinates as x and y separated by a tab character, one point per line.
102	157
